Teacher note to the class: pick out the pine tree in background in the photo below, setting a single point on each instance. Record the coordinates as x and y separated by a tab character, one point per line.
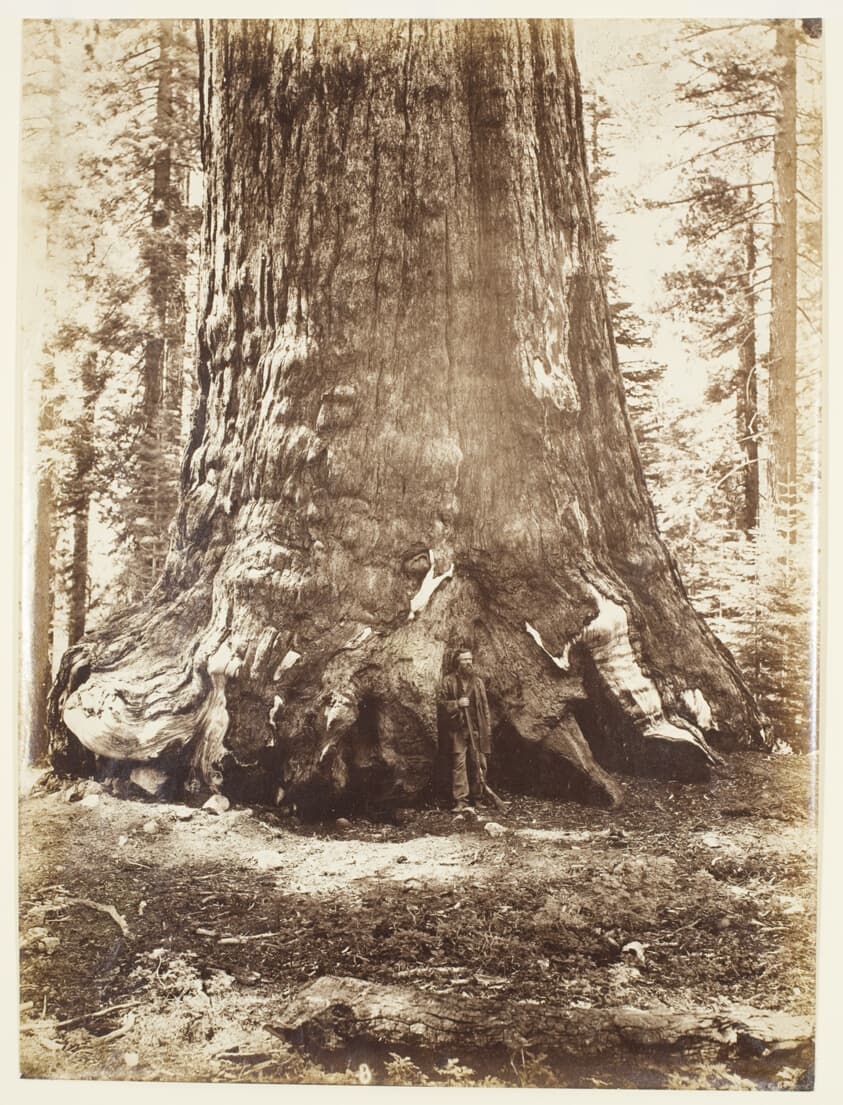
642	375
745	195
723	487
782	361
77	491
745	227
727	190
719	294
145	79
630	330
110	155
41	93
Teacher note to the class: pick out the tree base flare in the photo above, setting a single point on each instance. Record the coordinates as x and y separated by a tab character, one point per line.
350	719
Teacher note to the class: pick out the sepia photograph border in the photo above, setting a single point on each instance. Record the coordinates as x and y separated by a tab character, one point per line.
829	1069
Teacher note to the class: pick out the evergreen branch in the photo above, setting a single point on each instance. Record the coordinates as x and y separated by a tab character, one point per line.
145	65
130	57
657	204
754	286
766	135
744	217
749	437
718	118
748	272
691	92
728	27
802	312
734	471
40	66
807	276
808	199
730	278
687	94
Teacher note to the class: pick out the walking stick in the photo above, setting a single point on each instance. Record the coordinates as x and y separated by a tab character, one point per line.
478	763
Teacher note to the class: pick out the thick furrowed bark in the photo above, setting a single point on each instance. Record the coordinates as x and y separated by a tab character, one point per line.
411	436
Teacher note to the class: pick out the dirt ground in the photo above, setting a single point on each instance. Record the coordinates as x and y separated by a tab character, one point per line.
160	942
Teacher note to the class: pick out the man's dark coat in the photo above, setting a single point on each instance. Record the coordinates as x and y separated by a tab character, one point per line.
458	686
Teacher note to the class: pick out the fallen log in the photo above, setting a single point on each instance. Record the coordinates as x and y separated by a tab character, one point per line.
332	1011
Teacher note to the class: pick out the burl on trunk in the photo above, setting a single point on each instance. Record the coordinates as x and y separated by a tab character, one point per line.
411	435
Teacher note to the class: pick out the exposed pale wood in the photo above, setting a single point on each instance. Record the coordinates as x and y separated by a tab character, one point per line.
246	939
119	920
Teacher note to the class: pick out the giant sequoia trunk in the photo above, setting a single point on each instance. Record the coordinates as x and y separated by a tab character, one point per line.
411	435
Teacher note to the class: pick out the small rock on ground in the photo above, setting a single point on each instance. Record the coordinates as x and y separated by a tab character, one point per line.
217	803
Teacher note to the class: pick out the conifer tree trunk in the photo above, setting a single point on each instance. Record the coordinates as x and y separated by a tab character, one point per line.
39	588
164	346
77	600
411	435
747	387
36	664
782	397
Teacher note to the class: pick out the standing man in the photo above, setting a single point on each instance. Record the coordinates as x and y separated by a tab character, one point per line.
469	725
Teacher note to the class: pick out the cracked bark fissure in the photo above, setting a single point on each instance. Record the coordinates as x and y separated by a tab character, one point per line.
404	349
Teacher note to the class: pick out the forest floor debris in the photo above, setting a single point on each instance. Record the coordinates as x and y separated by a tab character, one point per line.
232	915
